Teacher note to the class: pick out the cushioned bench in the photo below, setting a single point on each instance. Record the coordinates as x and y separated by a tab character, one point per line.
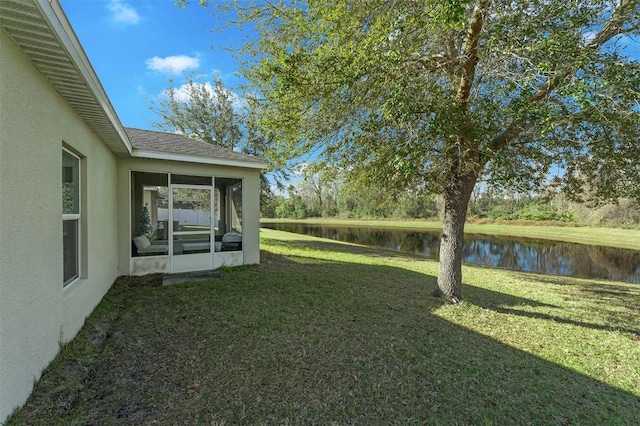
194	247
229	242
145	248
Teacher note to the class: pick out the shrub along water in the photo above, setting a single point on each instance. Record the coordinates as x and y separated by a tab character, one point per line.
300	203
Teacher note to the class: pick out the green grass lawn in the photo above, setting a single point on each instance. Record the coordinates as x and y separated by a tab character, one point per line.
323	332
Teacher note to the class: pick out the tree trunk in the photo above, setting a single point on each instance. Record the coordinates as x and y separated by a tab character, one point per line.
456	200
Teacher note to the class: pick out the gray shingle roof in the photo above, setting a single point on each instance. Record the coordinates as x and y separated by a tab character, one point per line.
171	143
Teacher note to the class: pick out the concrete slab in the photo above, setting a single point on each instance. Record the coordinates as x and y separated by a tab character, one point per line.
187	277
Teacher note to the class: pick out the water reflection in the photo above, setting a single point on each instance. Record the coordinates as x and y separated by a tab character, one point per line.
546	257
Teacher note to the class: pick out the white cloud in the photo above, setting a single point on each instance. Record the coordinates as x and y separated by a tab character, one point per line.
181	94
173	64
123	13
588	36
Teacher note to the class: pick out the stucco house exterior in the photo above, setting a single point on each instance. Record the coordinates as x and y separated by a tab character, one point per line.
84	200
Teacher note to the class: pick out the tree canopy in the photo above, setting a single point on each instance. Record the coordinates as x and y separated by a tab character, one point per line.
213	114
393	93
201	111
439	94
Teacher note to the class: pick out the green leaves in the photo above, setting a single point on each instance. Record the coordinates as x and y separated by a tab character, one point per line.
206	112
184	3
374	87
449	13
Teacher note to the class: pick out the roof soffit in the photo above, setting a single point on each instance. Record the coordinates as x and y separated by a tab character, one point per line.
42	32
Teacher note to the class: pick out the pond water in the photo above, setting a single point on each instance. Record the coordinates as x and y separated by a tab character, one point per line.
528	255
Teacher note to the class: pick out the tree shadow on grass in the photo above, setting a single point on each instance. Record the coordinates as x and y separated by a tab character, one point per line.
615	305
606	295
333	246
562	320
301	341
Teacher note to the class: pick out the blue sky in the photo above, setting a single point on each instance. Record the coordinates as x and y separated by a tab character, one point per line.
135	46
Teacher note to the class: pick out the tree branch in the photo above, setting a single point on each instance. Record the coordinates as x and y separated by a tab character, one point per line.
612	27
469	58
433	62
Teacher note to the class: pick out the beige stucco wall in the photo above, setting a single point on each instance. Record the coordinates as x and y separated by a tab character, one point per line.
251	201
35	311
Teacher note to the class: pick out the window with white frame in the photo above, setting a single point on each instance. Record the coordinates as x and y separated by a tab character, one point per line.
71	214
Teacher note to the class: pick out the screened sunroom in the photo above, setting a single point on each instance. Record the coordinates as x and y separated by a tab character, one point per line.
187	212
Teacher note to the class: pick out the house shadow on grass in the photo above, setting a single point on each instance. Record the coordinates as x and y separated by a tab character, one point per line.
332	246
302	340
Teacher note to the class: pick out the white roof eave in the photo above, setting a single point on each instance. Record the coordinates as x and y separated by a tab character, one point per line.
58	19
155	155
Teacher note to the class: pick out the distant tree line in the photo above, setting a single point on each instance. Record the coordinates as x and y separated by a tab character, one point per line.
324	193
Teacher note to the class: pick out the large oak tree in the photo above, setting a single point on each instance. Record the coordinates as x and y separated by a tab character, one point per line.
436	94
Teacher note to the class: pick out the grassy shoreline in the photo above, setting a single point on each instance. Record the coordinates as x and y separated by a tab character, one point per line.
323	332
609	237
